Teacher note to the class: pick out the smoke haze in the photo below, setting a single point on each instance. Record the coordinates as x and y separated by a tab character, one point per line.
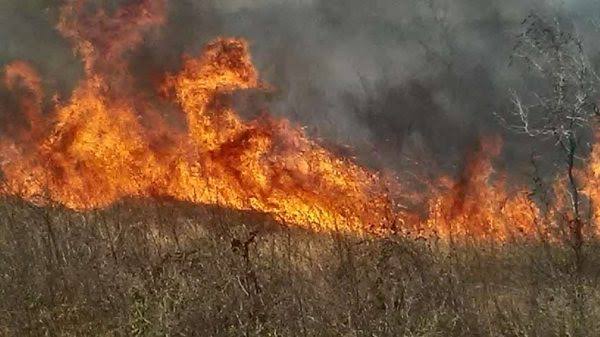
390	78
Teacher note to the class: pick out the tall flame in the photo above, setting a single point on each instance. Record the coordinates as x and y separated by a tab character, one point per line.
478	206
97	152
107	142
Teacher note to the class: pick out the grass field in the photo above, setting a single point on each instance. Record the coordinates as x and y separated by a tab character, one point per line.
166	269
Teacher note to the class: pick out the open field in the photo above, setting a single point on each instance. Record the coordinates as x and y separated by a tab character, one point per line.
167	269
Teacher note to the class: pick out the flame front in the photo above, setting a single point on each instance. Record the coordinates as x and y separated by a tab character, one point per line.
108	142
481	207
97	150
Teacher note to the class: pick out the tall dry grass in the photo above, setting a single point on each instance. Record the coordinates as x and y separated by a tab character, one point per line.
166	269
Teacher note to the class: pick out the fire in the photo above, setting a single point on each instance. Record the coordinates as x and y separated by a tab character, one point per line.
590	177
97	151
478	206
107	142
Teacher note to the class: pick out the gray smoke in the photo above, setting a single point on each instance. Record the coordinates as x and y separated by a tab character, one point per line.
391	78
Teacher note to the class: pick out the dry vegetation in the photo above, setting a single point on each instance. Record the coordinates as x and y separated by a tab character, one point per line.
170	269
163	268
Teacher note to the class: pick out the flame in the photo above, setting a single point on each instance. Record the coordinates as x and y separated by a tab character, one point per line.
108	142
21	77
97	151
590	176
478	206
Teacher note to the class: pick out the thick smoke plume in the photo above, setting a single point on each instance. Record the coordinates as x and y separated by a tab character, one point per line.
398	77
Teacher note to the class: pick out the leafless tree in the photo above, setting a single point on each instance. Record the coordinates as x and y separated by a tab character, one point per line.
563	108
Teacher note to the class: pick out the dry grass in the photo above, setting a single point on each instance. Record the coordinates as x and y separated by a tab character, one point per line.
149	269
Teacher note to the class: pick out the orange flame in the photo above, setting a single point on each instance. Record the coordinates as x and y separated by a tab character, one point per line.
476	206
107	143
97	151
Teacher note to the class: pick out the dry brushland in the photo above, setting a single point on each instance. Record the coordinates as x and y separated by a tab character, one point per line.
125	197
164	268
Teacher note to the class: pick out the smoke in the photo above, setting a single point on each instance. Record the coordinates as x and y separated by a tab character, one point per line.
393	79
398	78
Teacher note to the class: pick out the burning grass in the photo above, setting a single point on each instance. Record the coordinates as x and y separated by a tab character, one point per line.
116	220
94	151
107	142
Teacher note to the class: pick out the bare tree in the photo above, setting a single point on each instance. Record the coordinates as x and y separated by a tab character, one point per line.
562	109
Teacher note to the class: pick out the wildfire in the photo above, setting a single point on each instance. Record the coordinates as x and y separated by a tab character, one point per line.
96	150
106	142
478	206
